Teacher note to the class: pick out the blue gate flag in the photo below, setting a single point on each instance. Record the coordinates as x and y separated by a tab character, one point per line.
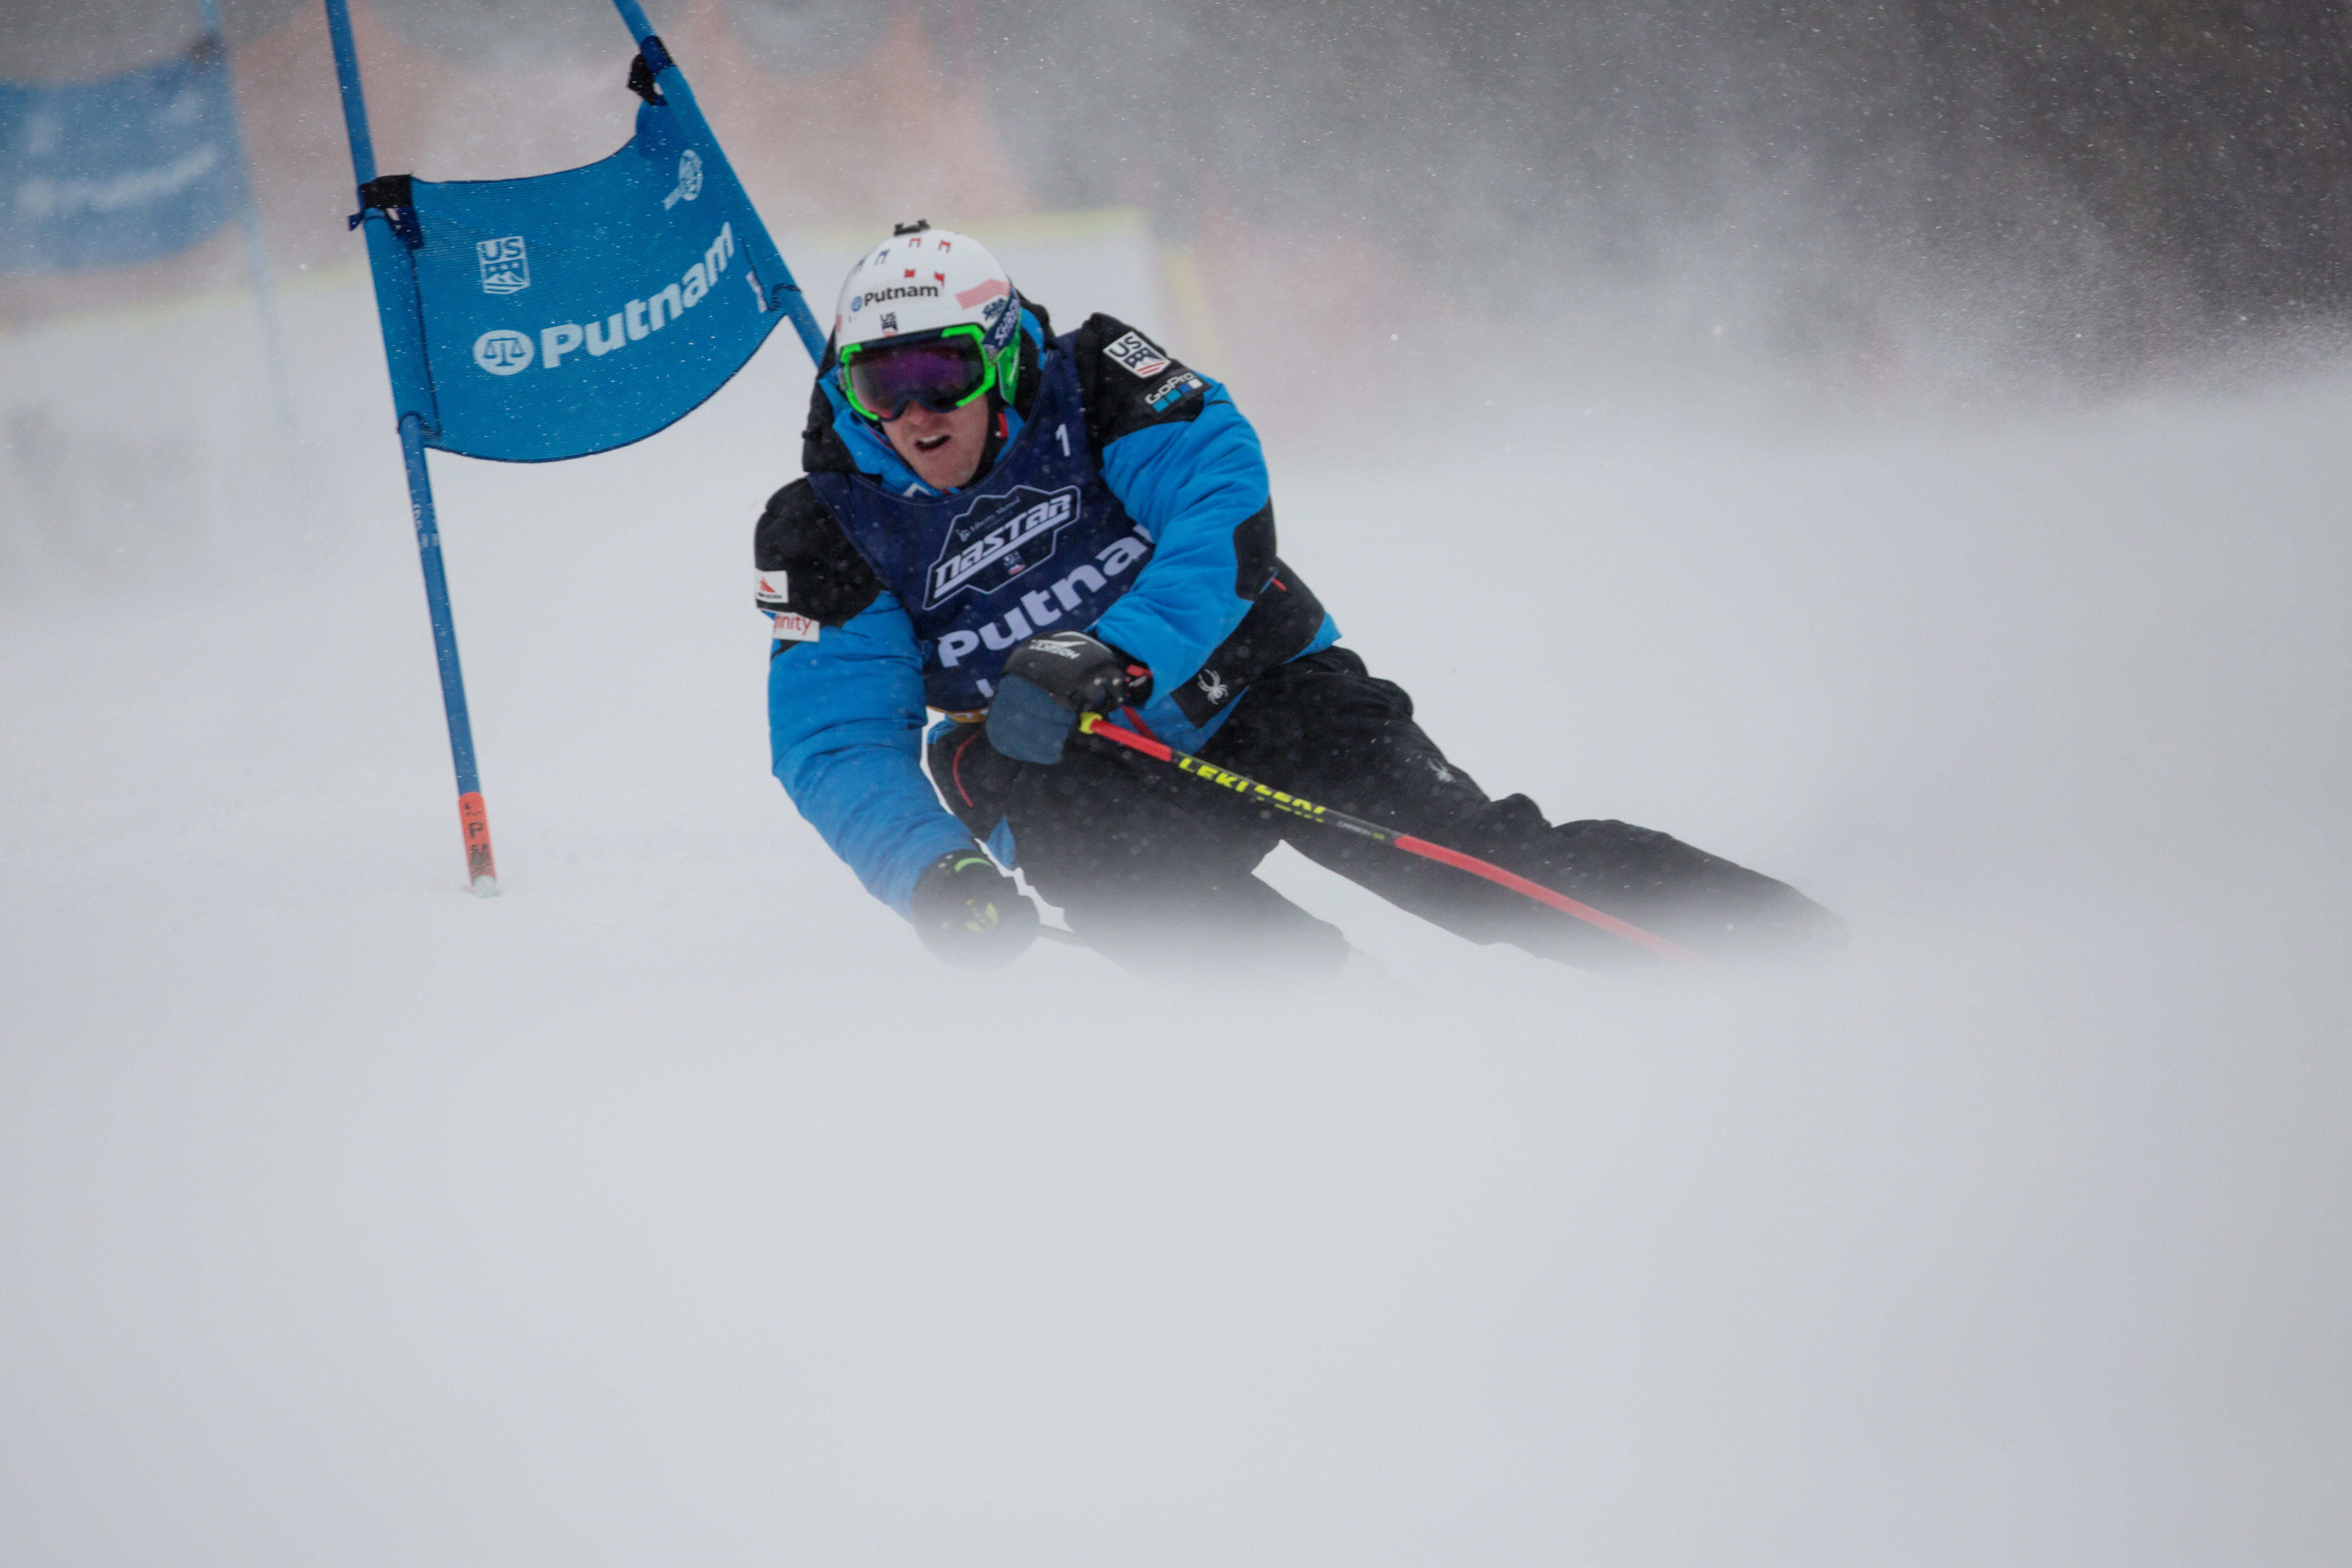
123	169
570	313
532	319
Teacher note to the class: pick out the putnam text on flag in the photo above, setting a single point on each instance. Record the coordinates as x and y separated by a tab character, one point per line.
572	312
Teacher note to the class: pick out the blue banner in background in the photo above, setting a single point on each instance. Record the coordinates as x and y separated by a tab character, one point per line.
120	170
570	313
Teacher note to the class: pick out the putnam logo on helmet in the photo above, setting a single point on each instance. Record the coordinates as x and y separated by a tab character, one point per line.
896	291
999	538
505	352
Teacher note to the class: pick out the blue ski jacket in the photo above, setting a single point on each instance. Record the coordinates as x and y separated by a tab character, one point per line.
1121	494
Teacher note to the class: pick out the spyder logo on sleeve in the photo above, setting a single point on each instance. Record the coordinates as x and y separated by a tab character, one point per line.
1135	355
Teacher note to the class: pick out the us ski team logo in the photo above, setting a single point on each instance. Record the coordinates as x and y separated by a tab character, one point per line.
1134	354
506	265
999	538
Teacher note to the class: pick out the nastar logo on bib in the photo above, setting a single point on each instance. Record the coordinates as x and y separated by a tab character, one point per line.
998	538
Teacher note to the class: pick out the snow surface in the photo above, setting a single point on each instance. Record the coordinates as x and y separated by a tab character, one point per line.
673	1209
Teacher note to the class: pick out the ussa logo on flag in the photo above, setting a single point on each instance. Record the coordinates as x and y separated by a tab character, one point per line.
689	180
506	269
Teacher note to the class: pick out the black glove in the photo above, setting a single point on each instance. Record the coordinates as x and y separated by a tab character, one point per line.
1047	682
970	914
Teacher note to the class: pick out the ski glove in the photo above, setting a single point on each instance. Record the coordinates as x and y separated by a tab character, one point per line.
970	914
1047	682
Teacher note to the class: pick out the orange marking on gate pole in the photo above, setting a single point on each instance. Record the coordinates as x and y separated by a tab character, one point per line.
482	867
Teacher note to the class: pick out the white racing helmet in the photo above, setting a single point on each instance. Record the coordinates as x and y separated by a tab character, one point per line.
934	287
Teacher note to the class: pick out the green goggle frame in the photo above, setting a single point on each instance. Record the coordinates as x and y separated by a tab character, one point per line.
934	386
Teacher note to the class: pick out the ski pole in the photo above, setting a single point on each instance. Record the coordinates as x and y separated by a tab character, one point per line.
1291	805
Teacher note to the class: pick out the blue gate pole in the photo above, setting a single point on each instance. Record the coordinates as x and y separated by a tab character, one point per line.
482	870
257	255
782	294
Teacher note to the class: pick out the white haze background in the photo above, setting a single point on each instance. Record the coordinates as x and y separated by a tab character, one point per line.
673	1208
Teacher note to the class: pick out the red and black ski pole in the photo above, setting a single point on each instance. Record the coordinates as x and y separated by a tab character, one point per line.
1291	805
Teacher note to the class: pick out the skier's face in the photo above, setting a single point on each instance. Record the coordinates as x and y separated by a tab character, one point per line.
942	449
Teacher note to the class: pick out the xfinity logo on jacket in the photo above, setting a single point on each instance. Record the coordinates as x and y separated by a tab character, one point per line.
998	538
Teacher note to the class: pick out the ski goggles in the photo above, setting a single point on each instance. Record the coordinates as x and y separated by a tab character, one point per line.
941	373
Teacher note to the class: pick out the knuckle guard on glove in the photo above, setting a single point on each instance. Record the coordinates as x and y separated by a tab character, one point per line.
970	914
1047	682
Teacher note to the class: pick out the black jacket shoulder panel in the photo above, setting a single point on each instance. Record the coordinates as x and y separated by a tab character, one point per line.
1254	547
821	451
1129	383
823	575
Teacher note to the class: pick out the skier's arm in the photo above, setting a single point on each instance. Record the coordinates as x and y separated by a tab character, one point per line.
1190	472
846	704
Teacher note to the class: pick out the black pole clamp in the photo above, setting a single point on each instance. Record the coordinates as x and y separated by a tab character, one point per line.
390	194
653	58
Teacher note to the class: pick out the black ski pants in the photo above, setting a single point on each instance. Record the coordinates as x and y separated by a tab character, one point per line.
1156	868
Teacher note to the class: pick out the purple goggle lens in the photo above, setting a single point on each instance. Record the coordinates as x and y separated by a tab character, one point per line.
940	374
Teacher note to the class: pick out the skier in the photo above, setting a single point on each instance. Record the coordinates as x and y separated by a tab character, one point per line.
1013	527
